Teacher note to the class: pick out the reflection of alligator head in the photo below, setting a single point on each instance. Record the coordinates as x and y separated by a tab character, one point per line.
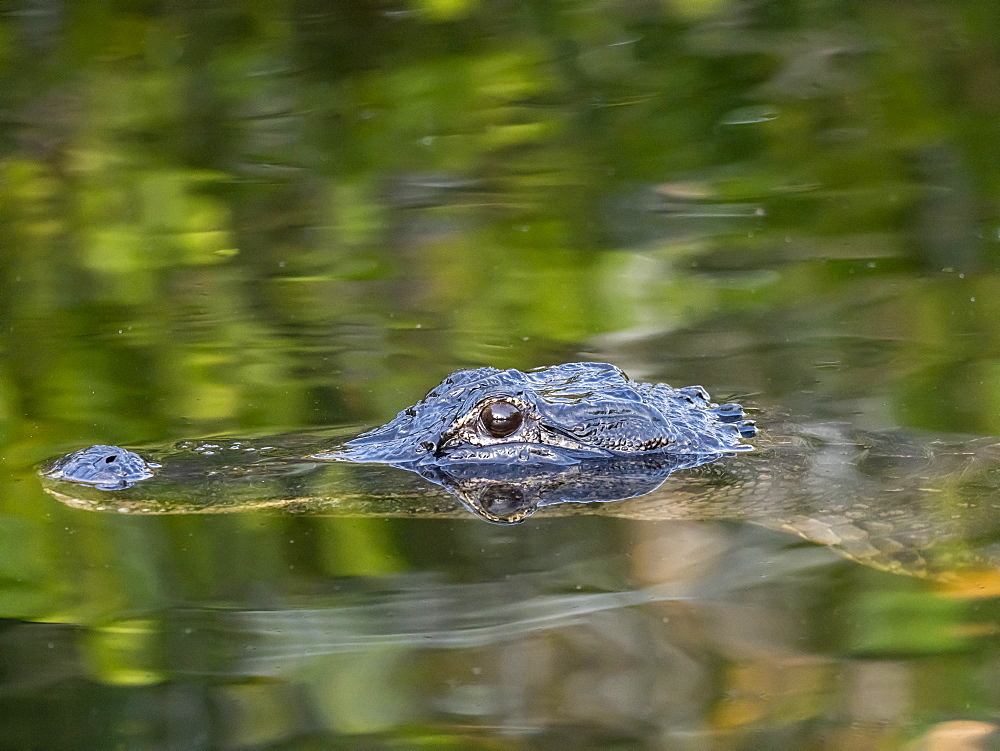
555	415
509	493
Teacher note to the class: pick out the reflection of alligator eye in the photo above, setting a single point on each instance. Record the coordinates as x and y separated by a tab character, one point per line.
501	418
502	501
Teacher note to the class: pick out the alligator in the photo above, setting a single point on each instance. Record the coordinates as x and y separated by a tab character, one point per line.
559	415
569	439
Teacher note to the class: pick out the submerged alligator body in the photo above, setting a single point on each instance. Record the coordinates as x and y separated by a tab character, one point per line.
926	505
560	415
508	444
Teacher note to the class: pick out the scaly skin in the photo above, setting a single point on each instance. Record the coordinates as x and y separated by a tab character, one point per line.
564	414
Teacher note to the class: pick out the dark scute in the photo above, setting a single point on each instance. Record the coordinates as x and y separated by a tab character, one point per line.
501	419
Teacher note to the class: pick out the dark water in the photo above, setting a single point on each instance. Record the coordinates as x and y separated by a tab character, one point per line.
252	218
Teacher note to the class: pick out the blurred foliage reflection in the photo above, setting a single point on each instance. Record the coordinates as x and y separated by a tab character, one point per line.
287	213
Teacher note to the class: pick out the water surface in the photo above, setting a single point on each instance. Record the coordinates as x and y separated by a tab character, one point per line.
246	220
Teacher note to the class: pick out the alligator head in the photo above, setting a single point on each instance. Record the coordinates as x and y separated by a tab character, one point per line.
549	417
556	415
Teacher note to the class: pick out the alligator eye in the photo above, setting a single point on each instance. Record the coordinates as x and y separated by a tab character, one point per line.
501	418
